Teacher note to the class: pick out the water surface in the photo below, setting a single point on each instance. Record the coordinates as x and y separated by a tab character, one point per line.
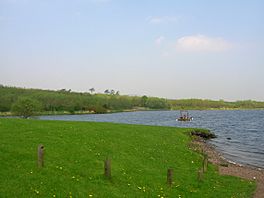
244	127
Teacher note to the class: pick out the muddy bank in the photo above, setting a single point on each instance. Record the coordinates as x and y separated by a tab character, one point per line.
229	168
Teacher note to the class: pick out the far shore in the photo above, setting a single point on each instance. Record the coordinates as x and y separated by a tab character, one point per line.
126	110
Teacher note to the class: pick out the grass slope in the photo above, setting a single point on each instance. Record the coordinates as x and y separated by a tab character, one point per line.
74	155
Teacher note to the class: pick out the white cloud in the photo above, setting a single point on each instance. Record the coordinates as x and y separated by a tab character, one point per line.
202	43
160	40
162	19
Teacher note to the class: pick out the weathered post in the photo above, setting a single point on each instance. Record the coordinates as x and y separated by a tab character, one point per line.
40	156
205	163
200	175
107	168
170	176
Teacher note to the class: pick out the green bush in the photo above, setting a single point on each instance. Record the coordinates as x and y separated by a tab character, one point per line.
26	107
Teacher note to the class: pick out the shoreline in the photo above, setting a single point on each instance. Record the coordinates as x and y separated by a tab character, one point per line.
50	113
221	155
226	167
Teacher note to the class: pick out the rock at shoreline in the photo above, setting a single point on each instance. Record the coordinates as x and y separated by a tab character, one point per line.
203	133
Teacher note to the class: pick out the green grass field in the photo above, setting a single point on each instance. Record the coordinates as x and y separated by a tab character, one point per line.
75	154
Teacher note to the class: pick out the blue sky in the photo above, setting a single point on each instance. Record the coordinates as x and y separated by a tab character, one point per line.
172	49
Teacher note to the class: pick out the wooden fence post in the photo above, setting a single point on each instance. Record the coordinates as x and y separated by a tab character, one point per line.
40	156
169	176
107	168
200	175
205	163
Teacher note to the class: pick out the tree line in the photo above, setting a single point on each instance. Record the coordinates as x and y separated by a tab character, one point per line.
12	98
202	104
66	100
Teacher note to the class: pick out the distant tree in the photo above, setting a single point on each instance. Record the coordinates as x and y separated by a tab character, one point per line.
26	107
92	90
156	103
107	91
63	90
117	93
144	100
112	92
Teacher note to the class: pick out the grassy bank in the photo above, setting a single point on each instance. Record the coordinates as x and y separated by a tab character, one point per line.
74	155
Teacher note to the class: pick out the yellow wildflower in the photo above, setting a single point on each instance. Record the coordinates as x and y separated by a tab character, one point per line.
36	191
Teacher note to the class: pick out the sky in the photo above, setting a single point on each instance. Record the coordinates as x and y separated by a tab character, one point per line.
165	48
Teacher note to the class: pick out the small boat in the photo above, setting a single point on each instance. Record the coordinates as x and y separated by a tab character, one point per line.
184	116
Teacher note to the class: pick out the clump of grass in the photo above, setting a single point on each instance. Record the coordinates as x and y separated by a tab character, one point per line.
203	133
